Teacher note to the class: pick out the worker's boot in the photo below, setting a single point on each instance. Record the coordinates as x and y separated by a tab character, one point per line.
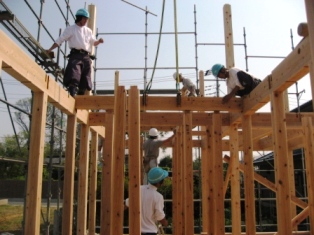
72	90
81	91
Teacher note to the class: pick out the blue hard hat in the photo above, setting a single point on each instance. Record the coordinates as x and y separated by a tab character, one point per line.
216	69
82	12
156	174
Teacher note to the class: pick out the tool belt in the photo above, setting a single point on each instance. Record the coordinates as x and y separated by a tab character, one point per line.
76	51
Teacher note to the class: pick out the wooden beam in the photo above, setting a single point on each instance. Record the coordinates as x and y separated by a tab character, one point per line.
281	162
106	176
188	173
69	168
117	184
35	164
250	220
308	139
93	184
135	161
83	181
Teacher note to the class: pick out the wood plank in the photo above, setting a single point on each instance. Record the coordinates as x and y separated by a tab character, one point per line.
135	162
250	217
106	176
235	180
93	184
308	139
35	164
188	173
69	168
117	184
281	162
83	181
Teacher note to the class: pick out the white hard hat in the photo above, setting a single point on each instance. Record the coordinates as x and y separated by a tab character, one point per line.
153	132
175	75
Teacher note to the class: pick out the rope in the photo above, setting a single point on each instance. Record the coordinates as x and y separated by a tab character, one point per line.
176	43
149	85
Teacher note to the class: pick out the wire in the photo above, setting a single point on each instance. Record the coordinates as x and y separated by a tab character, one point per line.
149	85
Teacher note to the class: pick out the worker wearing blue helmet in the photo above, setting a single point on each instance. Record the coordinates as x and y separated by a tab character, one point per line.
77	76
152	202
239	83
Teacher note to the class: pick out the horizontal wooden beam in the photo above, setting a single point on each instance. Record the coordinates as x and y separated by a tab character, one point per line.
24	69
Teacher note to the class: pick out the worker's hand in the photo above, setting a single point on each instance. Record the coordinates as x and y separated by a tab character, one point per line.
100	40
226	99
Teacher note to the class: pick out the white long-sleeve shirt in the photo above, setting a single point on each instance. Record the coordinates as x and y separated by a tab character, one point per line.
78	37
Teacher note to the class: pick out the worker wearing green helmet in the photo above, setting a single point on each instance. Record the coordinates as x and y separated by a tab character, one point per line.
239	82
77	76
152	202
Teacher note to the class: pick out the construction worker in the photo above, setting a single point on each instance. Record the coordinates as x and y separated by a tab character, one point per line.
151	150
239	83
187	84
152	202
77	77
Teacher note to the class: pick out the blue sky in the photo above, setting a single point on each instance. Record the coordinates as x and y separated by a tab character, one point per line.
267	24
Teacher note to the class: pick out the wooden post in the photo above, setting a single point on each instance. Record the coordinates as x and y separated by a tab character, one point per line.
309	6
228	36
93	185
69	168
117	184
235	180
308	139
281	162
106	176
205	182
177	185
218	175
83	181
248	175
211	223
35	164
188	173
134	161
292	188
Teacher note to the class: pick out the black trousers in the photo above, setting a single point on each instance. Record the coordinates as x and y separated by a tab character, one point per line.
78	71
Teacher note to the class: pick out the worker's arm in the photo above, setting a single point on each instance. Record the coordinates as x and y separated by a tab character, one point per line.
234	91
163	222
54	45
100	40
170	138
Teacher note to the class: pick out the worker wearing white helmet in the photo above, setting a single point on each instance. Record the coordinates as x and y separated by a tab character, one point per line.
151	150
187	84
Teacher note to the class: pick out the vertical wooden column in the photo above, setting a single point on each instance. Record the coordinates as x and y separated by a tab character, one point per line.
228	36
292	187
308	140
188	174
177	185
83	181
235	180
248	175
218	175
106	175
281	162
205	181
35	164
117	184
69	168
134	161
93	185
211	223
309	6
